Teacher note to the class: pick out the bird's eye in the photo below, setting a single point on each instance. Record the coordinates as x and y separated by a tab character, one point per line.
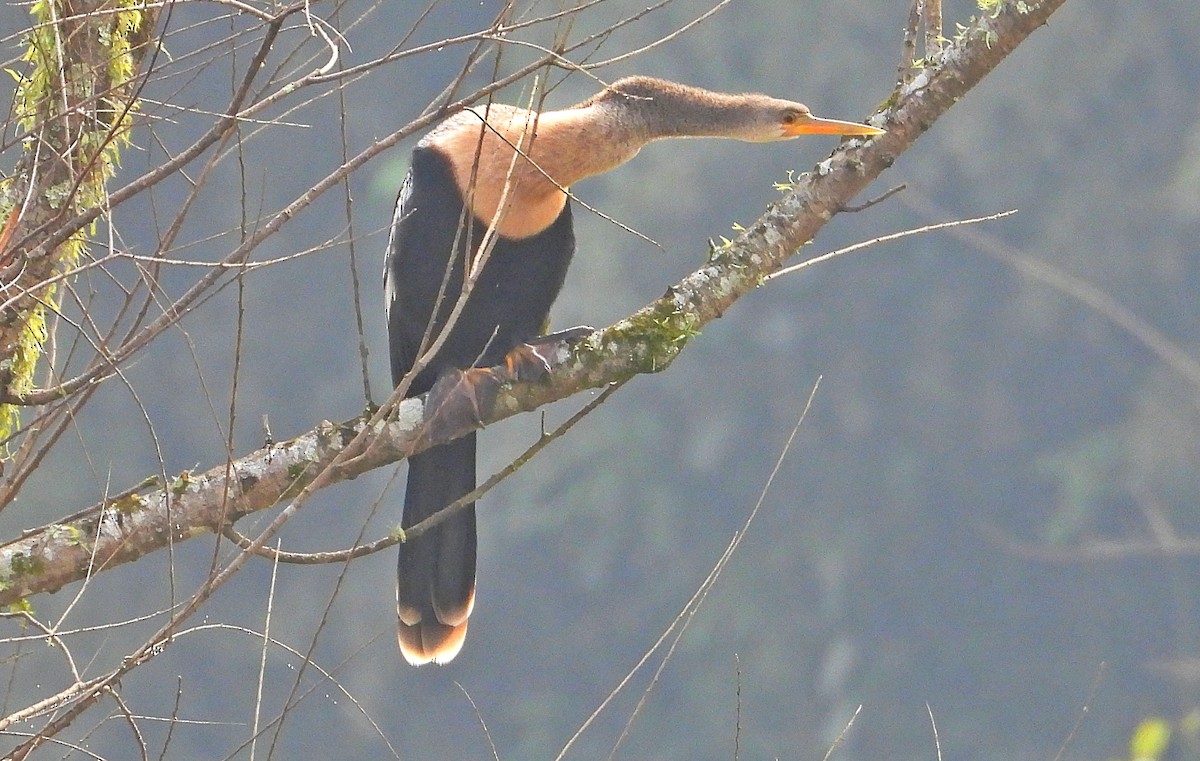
789	117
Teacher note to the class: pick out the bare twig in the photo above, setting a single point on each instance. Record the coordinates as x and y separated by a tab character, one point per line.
932	20
851	208
679	625
1169	352
908	45
886	239
1083	710
937	741
842	735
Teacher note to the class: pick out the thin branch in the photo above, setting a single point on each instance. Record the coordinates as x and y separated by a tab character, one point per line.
932	21
887	239
853	208
908	45
482	722
661	40
1168	351
842	735
937	741
737	726
1084	710
684	619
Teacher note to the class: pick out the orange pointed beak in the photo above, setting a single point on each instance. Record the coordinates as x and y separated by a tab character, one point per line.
813	125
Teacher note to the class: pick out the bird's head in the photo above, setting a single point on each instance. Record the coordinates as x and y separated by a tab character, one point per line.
789	120
771	119
674	110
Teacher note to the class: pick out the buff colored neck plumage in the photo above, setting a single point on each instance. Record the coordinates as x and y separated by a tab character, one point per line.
559	148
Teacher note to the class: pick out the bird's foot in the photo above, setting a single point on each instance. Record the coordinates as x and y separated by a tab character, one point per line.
530	361
462	400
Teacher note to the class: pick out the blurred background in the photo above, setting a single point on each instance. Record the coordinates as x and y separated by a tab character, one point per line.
992	405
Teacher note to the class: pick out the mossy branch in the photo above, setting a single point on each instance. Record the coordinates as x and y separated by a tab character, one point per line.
648	341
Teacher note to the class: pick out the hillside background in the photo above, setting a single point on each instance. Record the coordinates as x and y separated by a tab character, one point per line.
966	410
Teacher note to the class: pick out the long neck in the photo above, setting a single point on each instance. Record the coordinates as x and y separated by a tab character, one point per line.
556	150
582	142
523	160
673	110
600	135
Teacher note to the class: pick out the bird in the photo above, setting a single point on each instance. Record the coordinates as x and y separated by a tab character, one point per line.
486	201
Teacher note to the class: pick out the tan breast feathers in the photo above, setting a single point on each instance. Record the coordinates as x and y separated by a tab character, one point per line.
502	161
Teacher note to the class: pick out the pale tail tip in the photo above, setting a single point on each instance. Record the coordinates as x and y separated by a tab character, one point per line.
431	644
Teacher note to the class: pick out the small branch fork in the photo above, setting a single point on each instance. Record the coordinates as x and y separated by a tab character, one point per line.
927	14
854	208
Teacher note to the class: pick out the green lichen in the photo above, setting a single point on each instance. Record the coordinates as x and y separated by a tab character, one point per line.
296	472
62	532
180	483
327	433
659	332
25	565
974	30
790	184
129	504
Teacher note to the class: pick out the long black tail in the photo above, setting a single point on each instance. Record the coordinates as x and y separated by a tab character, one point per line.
436	574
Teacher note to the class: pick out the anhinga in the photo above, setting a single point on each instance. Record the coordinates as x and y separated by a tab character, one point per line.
509	169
